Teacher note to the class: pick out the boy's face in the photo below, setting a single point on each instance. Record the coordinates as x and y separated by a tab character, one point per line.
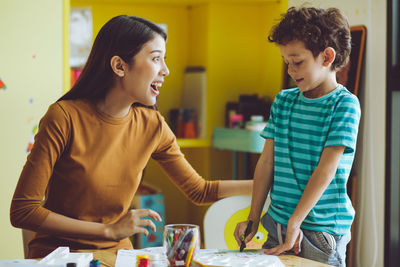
311	74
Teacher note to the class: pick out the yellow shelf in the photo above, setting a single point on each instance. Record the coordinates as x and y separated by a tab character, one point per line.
194	142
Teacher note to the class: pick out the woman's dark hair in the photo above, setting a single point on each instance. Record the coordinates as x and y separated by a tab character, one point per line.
121	36
317	29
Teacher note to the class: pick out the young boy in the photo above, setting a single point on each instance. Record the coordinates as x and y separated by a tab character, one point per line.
310	143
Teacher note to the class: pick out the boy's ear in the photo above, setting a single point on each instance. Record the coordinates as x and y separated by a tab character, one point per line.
118	66
329	56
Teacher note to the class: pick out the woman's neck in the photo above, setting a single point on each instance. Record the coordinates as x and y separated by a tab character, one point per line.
113	107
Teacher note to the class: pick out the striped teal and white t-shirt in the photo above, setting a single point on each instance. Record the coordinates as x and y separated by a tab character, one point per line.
301	128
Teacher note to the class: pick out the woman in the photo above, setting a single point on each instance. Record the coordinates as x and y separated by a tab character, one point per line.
94	142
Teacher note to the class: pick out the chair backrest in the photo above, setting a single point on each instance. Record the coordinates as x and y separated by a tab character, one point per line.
26	237
220	221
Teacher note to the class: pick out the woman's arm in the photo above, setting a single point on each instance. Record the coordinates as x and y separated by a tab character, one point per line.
51	140
229	188
129	224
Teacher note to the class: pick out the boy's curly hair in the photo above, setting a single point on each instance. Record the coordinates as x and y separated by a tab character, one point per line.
317	29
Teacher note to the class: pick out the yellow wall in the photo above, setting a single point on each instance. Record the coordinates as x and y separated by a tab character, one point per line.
198	35
31	65
238	57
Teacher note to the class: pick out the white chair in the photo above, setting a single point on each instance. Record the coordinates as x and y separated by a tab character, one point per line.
27	235
220	221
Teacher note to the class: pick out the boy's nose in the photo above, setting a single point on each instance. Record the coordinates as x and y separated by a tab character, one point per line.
291	70
290	67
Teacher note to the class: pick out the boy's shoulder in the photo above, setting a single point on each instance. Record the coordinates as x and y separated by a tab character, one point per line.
288	93
345	95
341	94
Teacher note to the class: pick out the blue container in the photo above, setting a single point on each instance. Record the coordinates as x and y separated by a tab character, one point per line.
156	203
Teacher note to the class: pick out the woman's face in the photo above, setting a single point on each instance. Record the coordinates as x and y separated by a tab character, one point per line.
146	74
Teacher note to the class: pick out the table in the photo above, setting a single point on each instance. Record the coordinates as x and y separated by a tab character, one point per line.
109	257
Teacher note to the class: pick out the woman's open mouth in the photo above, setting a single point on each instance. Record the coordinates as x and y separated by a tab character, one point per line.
154	87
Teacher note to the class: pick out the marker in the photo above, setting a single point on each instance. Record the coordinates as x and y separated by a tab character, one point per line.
246	233
191	248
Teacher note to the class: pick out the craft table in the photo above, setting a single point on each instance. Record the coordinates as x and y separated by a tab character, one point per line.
109	258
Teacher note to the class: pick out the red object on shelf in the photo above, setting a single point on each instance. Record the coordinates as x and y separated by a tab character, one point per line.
190	130
75	73
236	121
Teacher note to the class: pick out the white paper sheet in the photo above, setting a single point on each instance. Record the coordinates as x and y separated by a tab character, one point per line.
235	258
219	257
20	263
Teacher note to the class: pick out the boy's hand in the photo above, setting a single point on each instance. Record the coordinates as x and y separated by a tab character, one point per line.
292	241
241	228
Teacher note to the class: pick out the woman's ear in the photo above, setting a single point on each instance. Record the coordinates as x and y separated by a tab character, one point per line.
118	66
329	56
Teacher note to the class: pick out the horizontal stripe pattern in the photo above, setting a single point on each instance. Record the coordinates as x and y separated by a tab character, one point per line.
301	128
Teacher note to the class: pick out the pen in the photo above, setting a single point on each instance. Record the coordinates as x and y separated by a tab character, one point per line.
246	233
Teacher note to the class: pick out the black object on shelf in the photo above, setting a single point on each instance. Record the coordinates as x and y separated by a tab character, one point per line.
248	106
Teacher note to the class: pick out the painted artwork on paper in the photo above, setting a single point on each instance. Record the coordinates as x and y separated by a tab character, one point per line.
2	85
233	257
32	140
80	35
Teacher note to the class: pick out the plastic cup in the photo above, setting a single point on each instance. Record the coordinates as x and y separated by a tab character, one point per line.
181	243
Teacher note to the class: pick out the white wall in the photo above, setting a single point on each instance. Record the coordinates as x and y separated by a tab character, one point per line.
370	163
31	53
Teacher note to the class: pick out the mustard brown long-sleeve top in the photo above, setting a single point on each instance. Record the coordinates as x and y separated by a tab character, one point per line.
88	166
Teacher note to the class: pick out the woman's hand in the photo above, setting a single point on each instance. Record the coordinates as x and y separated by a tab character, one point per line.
240	230
132	223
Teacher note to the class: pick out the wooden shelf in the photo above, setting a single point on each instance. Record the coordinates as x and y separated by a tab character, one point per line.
187	143
238	140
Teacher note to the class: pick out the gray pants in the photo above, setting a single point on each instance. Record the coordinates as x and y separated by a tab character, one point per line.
318	246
